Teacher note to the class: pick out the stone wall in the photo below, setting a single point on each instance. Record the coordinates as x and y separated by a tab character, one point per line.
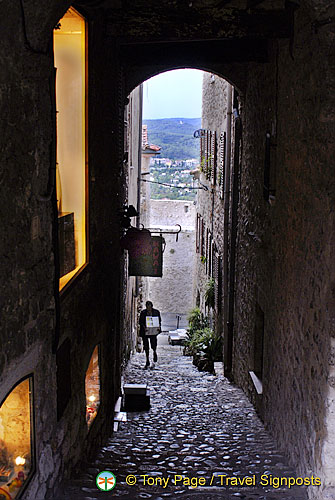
173	292
130	303
290	273
172	212
209	204
35	320
283	267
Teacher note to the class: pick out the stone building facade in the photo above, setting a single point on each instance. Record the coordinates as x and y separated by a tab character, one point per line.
173	292
209	248
279	57
275	305
132	170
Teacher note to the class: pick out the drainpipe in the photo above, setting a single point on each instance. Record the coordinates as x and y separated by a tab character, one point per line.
139	166
139	157
226	197
233	238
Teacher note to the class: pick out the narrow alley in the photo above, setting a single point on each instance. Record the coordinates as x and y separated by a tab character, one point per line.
199	426
250	255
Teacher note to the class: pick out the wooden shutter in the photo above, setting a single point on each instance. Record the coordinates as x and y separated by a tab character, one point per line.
207	235
208	138
197	235
210	254
202	238
222	155
213	157
217	275
202	148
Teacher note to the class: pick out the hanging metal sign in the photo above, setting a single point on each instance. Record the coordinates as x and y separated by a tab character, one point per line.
145	253
147	260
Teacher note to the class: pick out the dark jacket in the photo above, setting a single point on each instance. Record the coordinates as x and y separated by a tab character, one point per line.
143	315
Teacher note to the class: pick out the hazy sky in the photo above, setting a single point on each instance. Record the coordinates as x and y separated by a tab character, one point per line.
174	94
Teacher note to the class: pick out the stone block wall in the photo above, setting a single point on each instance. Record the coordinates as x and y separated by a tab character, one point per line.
290	273
284	269
132	168
209	204
35	321
173	292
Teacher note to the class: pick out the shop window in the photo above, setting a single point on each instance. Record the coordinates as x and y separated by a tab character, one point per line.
16	440
92	387
70	62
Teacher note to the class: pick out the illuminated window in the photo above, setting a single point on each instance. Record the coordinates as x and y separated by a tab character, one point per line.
70	61
16	446
92	387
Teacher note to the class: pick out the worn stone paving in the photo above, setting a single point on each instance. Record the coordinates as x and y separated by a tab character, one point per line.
199	426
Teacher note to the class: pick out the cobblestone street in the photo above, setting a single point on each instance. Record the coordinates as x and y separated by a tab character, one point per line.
199	425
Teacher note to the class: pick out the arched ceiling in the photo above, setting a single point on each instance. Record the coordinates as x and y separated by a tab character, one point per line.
215	35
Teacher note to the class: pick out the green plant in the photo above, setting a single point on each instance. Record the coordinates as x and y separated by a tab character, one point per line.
196	320
206	348
210	293
203	343
201	339
206	165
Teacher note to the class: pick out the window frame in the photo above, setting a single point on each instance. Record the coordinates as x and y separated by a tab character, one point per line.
79	271
30	377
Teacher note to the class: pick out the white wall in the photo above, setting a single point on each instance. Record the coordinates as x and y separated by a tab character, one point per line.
173	292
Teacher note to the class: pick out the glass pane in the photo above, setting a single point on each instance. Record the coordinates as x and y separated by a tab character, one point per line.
15	440
92	387
70	61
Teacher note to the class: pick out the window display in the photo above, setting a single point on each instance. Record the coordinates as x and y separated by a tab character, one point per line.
16	447
71	175
92	387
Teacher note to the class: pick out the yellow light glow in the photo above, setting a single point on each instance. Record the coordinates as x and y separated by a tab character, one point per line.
20	460
70	60
92	387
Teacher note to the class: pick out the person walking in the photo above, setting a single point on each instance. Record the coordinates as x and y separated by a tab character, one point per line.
149	311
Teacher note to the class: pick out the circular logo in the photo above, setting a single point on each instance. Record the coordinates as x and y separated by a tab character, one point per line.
105	480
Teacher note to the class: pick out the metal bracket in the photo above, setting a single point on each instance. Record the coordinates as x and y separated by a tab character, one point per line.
167	232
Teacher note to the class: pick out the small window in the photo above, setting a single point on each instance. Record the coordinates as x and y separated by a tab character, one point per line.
197	302
208	153
16	440
92	387
71	174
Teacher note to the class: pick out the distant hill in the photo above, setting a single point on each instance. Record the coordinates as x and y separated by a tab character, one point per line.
175	137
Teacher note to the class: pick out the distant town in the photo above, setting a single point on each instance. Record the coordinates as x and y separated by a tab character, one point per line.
176	173
179	154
